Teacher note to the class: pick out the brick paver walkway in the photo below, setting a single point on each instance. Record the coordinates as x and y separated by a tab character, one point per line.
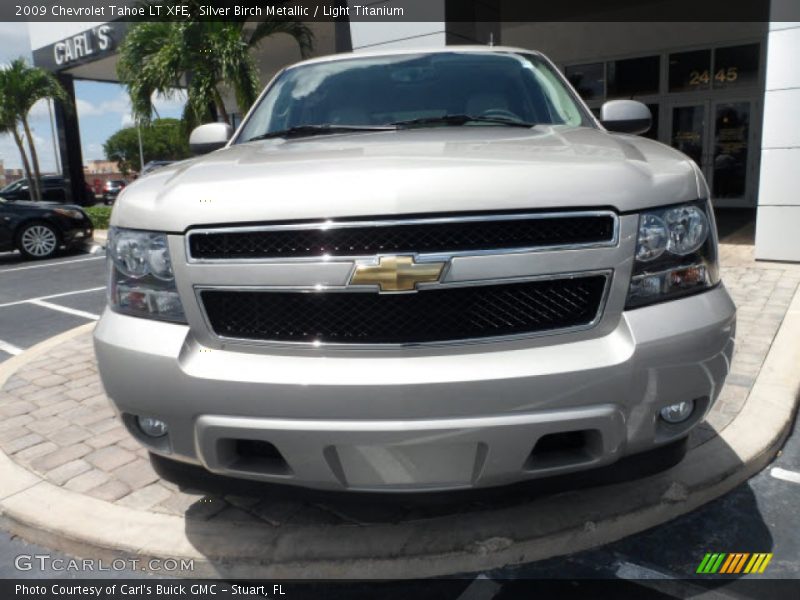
56	421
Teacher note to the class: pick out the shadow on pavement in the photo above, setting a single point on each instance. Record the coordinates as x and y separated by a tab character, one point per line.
728	524
736	225
373	508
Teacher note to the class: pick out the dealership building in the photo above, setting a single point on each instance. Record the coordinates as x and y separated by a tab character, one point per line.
725	93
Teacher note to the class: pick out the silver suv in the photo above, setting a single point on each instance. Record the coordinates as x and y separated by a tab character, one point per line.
416	271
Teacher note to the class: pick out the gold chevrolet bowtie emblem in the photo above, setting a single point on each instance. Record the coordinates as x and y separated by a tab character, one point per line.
397	273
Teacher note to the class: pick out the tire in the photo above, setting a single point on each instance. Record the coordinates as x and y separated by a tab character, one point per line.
38	240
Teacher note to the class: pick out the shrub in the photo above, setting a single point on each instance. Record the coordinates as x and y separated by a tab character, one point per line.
99	216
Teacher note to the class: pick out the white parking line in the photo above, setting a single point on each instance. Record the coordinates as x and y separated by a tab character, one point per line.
51	264
65	309
51	296
628	570
666	583
779	473
481	588
9	348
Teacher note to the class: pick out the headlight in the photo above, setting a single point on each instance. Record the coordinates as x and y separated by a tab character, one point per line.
653	236
687	228
141	281
70	212
676	254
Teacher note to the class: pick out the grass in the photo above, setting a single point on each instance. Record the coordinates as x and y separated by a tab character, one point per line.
99	216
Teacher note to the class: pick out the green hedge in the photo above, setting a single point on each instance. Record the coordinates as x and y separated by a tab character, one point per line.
99	216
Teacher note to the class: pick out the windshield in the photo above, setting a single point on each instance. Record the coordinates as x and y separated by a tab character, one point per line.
385	90
14	185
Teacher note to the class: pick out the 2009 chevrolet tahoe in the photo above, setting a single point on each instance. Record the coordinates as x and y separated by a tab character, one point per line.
416	271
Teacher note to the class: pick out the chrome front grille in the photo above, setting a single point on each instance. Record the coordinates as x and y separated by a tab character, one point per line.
503	276
438	314
452	234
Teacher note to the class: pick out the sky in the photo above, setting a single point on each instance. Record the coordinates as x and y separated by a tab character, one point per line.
103	108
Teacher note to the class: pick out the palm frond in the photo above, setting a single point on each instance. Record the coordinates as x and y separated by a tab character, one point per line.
297	30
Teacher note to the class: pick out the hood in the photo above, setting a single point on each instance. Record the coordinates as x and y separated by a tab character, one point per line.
431	170
43	204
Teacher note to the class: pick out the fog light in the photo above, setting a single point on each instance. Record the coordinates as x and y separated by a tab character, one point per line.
151	426
677	413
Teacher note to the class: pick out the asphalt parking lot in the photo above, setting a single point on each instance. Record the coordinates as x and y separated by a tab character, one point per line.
41	299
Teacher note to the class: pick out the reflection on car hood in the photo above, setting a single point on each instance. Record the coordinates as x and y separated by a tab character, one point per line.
43	204
442	169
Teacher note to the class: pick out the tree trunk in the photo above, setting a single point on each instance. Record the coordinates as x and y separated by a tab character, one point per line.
37	175
26	166
221	107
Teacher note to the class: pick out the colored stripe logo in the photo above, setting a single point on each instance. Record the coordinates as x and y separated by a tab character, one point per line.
735	562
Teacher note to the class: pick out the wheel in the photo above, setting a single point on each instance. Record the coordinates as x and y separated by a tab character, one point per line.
38	240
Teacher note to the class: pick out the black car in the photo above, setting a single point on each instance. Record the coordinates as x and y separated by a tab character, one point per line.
40	229
111	190
53	189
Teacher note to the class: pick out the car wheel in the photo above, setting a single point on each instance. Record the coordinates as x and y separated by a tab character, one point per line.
38	240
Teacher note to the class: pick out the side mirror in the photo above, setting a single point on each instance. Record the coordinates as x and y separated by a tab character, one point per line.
209	137
626	116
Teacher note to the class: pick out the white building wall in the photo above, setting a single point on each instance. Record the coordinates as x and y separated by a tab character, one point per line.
778	222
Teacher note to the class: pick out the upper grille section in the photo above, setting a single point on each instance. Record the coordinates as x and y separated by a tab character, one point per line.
422	236
440	314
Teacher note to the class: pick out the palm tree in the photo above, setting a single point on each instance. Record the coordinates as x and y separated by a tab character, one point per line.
23	86
8	125
205	57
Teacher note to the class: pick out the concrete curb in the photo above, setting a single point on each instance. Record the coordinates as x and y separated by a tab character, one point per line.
47	514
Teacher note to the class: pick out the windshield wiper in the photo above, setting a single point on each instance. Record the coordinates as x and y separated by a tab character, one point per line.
462	120
309	130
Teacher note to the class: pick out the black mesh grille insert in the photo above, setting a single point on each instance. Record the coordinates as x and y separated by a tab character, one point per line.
427	237
430	315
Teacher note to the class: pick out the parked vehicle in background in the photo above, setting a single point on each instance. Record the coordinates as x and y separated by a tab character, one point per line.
416	271
39	229
111	190
154	165
53	190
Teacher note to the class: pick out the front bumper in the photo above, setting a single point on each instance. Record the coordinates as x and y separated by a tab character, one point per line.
75	232
396	423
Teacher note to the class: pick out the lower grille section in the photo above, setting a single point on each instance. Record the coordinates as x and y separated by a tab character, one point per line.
429	315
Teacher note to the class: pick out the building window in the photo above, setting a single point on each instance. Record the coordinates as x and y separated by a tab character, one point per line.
588	80
736	66
690	71
633	77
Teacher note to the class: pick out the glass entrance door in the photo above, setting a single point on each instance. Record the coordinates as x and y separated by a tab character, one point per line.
717	135
730	152
689	132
